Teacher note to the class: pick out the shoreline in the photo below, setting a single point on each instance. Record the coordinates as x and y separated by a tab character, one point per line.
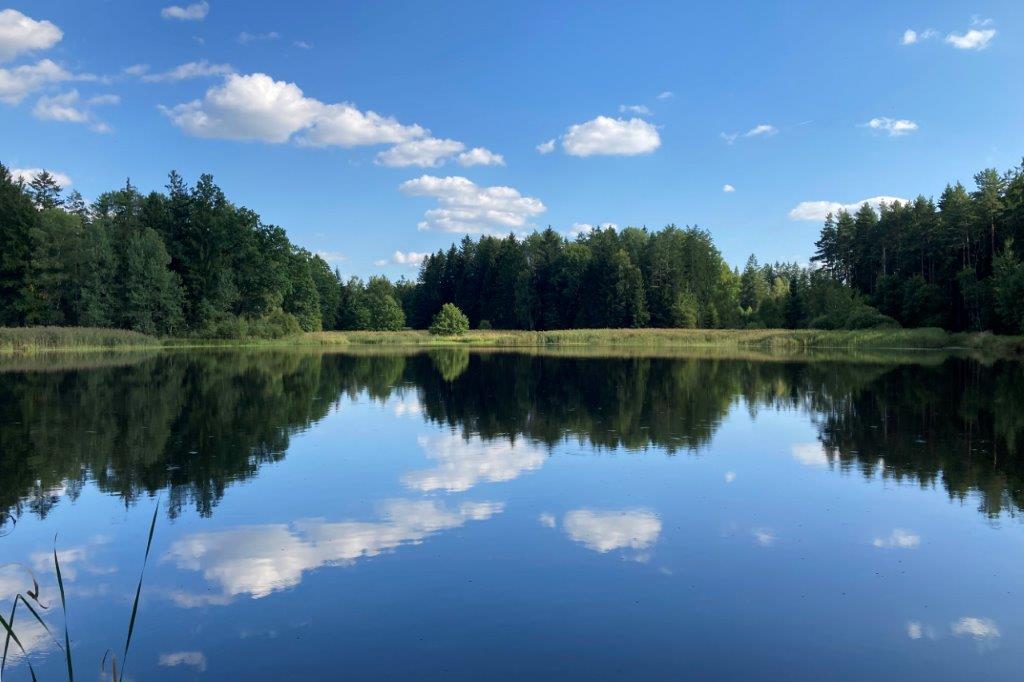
33	340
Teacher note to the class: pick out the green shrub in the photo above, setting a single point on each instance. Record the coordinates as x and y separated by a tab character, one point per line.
449	321
273	325
484	325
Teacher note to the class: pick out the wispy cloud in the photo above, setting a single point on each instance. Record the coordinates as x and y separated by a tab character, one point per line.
195	12
70	107
895	127
187	71
638	109
245	37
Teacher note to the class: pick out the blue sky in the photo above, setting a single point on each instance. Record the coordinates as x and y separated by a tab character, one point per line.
649	111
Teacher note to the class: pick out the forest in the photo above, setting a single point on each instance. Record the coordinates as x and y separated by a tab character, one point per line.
188	262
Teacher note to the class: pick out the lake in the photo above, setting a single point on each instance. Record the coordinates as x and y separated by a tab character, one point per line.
457	515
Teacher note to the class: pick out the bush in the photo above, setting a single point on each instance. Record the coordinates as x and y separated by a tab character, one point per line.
484	325
273	325
449	321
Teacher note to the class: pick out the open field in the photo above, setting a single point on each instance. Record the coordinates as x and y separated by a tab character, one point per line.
38	339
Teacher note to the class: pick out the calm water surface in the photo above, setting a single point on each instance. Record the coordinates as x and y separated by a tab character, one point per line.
461	516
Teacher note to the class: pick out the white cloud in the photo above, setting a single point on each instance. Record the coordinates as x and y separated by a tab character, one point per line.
74	559
136	69
478	156
764	536
406	405
915	630
195	12
607	530
639	109
912	37
26	175
894	126
547	520
974	39
611	136
245	38
20	33
344	125
899	539
467	207
730	476
462	464
19	82
576	229
302	44
728	189
260	560
332	256
761	130
426	153
410	258
818	210
257	107
546	147
192	659
809	454
189	70
667	94
979	628
253	107
69	107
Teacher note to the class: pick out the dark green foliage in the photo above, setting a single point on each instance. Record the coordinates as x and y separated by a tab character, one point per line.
1008	289
449	321
185	262
935	264
604	279
375	305
18	218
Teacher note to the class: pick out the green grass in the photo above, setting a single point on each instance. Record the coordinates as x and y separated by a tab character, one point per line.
761	339
36	339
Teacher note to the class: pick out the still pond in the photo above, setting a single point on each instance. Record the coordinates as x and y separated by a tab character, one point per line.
457	515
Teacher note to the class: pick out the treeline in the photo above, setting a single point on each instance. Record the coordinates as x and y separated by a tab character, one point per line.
673	277
184	261
189	262
953	264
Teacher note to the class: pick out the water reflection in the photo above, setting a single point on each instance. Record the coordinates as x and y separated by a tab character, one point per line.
607	530
193	423
259	560
464	462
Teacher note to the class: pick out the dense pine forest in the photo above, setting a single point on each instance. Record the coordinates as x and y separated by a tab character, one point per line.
189	262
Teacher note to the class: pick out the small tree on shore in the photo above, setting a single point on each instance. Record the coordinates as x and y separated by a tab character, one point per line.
449	321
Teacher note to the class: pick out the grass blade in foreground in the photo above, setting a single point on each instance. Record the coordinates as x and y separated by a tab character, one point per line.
64	607
138	593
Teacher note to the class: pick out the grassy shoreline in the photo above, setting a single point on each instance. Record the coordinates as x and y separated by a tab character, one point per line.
46	339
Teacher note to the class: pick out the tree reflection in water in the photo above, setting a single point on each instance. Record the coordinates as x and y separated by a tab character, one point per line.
191	423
